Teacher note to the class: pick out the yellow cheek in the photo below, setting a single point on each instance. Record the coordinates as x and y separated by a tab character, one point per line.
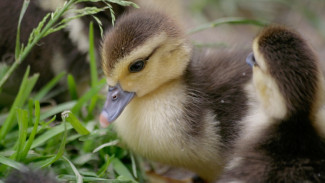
110	81
128	85
260	85
269	94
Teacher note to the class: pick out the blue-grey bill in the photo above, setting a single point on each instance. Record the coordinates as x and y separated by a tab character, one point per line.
250	60
117	99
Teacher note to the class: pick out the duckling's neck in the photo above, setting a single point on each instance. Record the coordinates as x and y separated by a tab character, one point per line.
147	119
156	126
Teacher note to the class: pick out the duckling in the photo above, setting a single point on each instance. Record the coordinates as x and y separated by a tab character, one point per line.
289	85
168	103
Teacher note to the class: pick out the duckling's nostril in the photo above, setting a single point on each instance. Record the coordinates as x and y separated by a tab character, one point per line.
114	97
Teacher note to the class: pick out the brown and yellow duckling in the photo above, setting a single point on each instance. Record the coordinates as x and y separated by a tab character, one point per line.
168	104
289	84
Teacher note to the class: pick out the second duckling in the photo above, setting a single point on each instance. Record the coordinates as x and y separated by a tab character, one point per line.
289	84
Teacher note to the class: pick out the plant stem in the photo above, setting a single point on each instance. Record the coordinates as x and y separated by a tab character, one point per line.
227	20
28	48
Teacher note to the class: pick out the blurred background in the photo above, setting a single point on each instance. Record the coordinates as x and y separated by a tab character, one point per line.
305	16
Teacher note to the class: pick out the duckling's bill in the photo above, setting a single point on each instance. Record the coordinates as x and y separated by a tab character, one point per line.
250	60
117	99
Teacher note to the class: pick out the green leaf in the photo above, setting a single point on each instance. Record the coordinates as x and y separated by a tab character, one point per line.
20	52
50	134
103	169
24	91
121	169
72	87
123	179
22	13
61	148
134	166
3	69
36	31
86	179
69	117
75	171
124	3
92	106
34	131
112	143
92	57
22	117
11	163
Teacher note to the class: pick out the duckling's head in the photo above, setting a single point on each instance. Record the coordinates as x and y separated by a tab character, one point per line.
285	73
145	50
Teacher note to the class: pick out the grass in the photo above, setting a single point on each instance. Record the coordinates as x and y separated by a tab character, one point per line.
72	146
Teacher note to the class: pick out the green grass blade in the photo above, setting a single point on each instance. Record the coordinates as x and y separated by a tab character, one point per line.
48	86
121	169
22	117
86	97
92	56
45	162
74	169
76	124
24	91
23	53
86	179
123	179
93	68
30	111
49	134
112	143
17	103
22	13
61	148
11	163
124	3
103	169
227	20
34	131
3	70
134	166
45	124
72	87
92	106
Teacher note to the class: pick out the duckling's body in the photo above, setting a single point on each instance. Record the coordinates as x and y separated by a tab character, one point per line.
178	123
289	84
185	109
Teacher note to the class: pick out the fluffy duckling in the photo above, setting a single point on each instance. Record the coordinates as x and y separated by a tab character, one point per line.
168	104
289	85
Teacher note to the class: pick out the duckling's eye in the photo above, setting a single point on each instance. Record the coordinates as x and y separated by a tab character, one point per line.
137	66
